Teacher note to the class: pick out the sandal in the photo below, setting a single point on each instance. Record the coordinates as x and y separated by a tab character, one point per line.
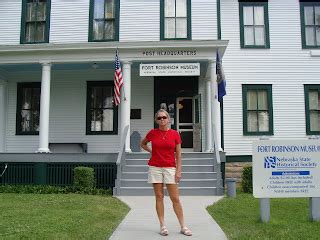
164	231
186	231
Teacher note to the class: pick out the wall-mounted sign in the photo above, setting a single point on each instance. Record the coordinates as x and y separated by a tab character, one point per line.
286	168
163	52
170	69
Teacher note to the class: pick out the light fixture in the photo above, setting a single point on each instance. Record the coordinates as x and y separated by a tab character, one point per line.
95	65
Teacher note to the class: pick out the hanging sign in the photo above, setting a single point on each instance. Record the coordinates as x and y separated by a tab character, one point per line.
286	168
170	69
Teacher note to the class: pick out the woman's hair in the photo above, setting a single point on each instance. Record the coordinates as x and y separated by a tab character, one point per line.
159	111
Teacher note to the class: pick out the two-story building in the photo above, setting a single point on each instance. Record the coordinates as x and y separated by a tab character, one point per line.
57	69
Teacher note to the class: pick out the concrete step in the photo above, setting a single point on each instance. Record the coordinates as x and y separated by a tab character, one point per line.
145	155
185	175
184	191
185	168
183	183
185	161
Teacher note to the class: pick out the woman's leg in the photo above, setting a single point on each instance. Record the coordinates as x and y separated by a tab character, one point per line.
158	191
173	191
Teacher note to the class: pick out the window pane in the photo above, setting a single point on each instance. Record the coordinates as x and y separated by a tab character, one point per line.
30	28
169	8
259	34
108	98
252	122
109	9
31	11
258	15
39	37
262	100
96	97
41	15
248	15
98	29
248	36
109	30
99	9
96	118
318	35
308	15
107	124
170	28
181	31
35	120
314	100
181	8
26	98
25	120
251	100
310	36
317	15
314	121
263	121
36	99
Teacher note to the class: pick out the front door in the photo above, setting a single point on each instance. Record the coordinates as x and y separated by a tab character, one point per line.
189	123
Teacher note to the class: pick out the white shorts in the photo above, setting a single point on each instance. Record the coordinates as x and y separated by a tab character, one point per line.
162	175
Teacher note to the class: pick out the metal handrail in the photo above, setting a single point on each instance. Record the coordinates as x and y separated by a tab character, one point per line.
215	145
122	144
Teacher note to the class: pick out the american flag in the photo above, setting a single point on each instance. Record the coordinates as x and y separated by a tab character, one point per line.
118	80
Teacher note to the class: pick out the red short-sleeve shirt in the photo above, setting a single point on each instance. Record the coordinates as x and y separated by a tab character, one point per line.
163	147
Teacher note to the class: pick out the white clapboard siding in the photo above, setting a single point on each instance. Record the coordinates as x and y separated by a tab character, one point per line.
67	111
204	19
69	21
142	96
10	21
285	65
139	20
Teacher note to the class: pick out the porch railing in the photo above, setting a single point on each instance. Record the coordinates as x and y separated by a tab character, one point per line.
120	159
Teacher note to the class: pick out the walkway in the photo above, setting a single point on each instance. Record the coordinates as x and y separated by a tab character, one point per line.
142	222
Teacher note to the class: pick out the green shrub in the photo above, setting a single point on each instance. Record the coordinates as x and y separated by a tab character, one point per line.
84	179
47	189
246	184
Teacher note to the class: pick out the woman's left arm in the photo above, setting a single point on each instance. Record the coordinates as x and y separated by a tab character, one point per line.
178	163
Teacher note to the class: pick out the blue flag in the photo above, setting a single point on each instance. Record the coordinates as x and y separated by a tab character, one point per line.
221	79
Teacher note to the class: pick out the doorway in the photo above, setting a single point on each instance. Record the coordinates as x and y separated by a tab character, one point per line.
179	96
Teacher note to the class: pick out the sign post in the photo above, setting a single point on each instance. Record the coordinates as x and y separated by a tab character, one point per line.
284	169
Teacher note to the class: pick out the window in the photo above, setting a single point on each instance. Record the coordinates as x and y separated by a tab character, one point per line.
312	106
28	108
175	19
257	110
254	25
35	20
102	115
310	24
104	20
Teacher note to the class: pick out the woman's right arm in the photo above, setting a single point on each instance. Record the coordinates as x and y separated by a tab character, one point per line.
144	145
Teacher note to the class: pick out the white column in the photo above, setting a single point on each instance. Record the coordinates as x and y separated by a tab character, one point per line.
215	112
3	114
44	109
208	116
125	104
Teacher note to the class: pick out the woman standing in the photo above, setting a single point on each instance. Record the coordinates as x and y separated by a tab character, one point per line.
165	168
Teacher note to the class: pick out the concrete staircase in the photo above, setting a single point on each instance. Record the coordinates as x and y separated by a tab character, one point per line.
200	175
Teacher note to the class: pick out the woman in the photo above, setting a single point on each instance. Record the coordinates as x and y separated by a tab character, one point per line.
165	168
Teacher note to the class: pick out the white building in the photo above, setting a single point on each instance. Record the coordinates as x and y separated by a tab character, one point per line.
66	51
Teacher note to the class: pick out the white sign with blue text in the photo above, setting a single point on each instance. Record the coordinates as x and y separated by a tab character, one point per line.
286	168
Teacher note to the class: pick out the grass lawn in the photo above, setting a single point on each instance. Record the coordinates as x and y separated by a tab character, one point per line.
289	218
59	216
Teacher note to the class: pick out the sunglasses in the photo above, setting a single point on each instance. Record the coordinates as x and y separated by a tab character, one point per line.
159	118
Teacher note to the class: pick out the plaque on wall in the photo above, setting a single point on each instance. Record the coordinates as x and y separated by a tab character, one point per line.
135	114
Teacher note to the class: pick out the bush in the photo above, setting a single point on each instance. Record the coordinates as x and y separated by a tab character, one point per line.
84	179
47	189
246	184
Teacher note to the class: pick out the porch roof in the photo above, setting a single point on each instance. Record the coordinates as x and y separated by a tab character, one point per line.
104	51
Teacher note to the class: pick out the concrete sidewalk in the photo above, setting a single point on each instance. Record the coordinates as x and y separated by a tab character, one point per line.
142	221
